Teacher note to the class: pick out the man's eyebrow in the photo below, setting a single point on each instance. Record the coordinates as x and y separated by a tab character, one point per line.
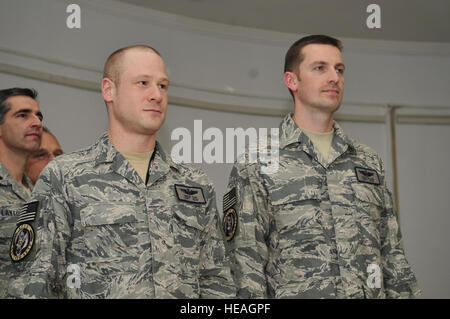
22	111
27	111
144	76
319	62
340	64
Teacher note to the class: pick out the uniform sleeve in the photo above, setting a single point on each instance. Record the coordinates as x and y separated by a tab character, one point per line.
42	271
399	279
246	240
215	275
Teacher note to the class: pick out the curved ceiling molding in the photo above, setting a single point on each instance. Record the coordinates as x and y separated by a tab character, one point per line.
247	34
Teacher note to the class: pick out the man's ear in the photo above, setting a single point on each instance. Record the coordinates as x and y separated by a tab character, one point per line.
291	81
108	89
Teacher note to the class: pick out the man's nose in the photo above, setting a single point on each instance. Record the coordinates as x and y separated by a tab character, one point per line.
36	122
333	76
154	93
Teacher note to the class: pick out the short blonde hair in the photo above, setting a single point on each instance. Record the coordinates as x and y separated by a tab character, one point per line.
112	70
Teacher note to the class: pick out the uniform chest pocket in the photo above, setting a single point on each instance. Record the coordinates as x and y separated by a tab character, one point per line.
188	223
368	201
109	230
297	215
295	205
367	209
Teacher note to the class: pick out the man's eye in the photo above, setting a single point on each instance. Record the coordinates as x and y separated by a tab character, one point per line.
162	86
41	155
319	68
144	83
341	71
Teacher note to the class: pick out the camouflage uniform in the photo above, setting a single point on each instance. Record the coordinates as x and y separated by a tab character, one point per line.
312	229
129	240
12	197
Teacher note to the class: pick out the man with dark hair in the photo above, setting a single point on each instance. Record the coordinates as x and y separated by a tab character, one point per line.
120	219
49	149
20	135
294	55
323	225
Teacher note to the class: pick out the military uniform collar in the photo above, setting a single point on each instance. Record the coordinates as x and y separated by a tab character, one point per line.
107	153
291	134
6	179
341	140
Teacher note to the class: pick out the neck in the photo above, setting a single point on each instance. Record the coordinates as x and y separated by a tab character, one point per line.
314	120
14	162
131	142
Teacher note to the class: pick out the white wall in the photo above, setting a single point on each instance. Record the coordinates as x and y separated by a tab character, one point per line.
242	67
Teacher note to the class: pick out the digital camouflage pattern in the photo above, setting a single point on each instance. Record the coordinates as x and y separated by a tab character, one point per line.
12	197
312	229
129	240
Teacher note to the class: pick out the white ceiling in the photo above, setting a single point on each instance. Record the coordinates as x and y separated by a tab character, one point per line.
401	20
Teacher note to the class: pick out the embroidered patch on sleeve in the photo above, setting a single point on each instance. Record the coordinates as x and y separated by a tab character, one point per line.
230	217
23	237
367	175
27	213
190	194
229	199
21	242
230	220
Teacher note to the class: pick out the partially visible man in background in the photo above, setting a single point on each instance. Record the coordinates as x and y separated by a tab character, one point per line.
50	148
20	136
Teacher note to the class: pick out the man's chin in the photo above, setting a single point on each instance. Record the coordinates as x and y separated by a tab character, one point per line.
330	107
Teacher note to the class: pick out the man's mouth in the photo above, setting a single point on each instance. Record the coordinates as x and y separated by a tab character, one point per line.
331	91
34	134
152	111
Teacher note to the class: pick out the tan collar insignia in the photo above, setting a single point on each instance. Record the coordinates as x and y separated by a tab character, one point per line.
367	175
190	194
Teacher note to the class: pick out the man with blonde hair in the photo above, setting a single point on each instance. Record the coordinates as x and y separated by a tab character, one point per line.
120	219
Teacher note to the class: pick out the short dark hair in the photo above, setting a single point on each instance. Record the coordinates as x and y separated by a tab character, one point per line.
7	93
294	55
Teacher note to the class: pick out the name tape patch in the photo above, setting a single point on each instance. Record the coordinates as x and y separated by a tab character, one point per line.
7	212
190	194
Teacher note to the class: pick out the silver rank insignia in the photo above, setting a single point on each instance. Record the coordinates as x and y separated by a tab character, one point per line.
190	194
367	175
23	237
230	217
